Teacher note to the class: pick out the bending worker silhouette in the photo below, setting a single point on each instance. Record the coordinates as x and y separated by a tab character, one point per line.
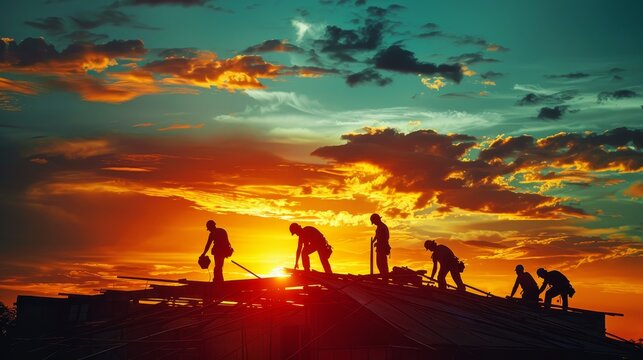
528	285
559	285
311	240
448	264
380	241
218	238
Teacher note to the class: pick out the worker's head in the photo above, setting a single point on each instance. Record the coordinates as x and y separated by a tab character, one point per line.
210	225
541	272
520	269
295	229
376	219
430	245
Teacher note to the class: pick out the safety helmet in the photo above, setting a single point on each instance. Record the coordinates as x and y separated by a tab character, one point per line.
210	224
520	268
294	228
430	244
375	217
541	272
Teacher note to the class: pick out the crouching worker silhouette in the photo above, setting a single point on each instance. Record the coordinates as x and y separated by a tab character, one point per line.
311	240
559	285
221	248
448	264
528	285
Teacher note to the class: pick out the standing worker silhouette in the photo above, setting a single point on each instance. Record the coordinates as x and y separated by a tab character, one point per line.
218	238
559	285
380	241
528	285
311	240
448	264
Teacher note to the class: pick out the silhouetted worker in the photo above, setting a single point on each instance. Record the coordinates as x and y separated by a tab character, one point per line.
528	285
380	241
559	285
448	263
311	240
220	244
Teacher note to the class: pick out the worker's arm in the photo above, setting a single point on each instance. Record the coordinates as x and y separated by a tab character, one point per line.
513	291
207	244
544	285
299	244
435	268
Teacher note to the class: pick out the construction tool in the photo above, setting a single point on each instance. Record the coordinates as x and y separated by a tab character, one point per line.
244	268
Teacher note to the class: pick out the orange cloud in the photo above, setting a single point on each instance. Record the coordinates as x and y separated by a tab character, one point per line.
35	55
635	191
145	124
99	90
21	87
241	72
181	127
126	169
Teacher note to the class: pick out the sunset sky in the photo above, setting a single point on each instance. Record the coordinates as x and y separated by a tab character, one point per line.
509	131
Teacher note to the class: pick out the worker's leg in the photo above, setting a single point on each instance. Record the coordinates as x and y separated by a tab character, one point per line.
442	274
218	268
550	294
455	275
382	263
305	257
323	258
563	296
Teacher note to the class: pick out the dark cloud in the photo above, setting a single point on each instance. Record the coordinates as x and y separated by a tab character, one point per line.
52	25
339	43
85	36
395	58
478	41
34	54
491	75
431	34
377	11
178	52
367	76
168	2
616	70
360	2
307	71
273	45
426	162
617	78
430	26
576	75
590	151
107	17
555	113
472	58
616	95
538	99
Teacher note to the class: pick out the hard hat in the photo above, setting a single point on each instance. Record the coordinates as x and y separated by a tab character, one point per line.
520	268
294	227
375	217
541	272
429	244
210	223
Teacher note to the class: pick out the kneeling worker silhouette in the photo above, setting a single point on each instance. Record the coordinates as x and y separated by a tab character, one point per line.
528	285
559	285
311	240
448	263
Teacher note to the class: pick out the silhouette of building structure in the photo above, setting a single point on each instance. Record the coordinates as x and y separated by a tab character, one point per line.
307	315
